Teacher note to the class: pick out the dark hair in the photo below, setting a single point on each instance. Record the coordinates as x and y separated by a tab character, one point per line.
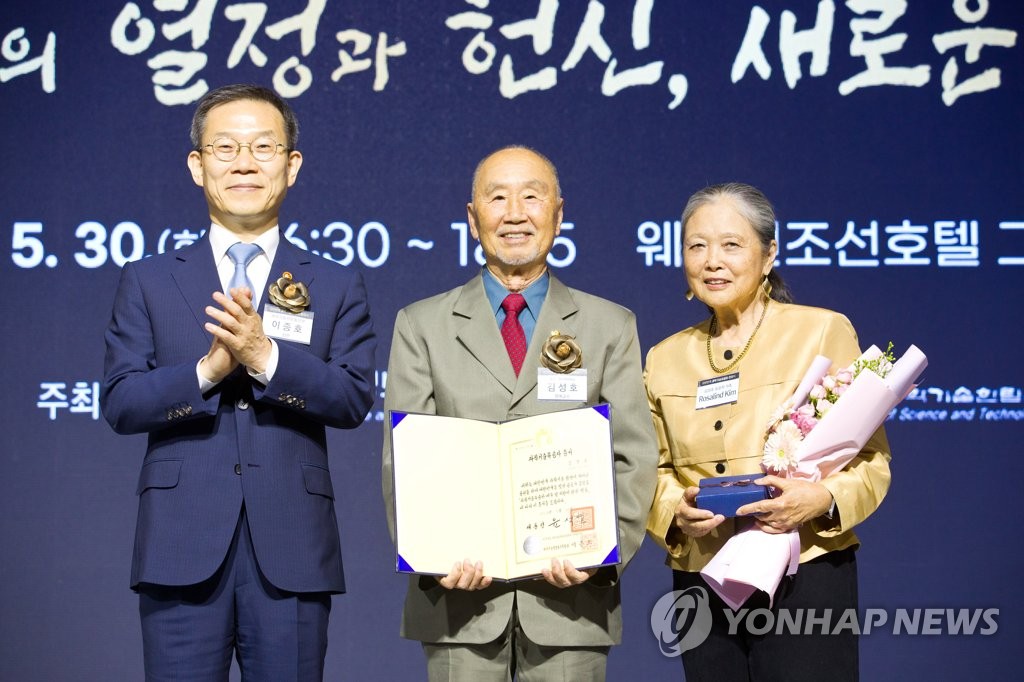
753	205
547	162
234	93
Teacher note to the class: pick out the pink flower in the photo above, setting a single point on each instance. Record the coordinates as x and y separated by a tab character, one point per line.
844	376
806	410
818	392
804	418
823	407
841	389
829	382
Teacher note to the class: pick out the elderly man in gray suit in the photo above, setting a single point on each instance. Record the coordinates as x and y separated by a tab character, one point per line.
474	352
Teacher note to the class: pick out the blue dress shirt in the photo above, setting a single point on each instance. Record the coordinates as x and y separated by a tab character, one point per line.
534	295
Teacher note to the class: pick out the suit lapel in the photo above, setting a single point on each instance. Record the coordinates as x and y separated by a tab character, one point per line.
195	273
476	329
290	258
555	315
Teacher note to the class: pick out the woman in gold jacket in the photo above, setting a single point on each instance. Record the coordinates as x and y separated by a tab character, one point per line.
755	330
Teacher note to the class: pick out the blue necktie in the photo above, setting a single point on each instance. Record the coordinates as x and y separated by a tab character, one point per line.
241	255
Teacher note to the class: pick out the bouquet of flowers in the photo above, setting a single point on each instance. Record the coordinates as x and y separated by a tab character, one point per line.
817	431
785	452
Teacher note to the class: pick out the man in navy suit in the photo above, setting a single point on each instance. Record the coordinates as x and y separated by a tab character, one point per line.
236	546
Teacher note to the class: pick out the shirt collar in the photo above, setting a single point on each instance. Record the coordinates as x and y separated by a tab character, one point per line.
534	294
222	238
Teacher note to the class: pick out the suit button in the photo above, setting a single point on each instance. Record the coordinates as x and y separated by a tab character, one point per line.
718	425
720	468
238	469
242	404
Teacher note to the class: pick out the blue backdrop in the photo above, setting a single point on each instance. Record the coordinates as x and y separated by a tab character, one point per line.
888	134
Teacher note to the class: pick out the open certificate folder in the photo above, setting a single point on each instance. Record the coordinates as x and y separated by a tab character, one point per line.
513	495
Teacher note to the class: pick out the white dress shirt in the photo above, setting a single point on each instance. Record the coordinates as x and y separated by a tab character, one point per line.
258	271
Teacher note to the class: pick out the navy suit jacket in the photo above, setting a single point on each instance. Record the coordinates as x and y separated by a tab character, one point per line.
264	446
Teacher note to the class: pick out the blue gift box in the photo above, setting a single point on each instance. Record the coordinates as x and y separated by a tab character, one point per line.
725	494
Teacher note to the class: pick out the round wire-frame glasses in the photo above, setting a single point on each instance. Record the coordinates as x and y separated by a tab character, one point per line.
262	149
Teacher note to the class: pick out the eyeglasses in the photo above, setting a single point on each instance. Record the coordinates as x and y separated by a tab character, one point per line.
262	149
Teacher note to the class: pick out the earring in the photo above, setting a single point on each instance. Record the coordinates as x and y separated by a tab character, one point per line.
766	287
689	294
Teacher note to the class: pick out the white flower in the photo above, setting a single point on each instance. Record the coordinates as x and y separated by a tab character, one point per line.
777	416
780	449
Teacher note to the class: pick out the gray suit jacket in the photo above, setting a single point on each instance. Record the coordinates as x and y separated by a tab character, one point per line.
448	358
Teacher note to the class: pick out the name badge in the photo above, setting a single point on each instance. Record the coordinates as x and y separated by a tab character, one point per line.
281	324
718	391
555	386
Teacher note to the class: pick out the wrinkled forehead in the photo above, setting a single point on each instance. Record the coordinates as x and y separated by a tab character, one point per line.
514	168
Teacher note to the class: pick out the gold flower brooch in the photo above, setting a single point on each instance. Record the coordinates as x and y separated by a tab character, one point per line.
288	294
561	353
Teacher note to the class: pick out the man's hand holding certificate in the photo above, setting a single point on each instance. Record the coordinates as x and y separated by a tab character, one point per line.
534	496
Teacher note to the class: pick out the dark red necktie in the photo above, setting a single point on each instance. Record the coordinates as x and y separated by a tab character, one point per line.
512	331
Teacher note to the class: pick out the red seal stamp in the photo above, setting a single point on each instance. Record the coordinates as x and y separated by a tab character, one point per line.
582	519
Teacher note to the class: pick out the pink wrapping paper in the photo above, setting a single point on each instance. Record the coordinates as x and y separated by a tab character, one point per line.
754	560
